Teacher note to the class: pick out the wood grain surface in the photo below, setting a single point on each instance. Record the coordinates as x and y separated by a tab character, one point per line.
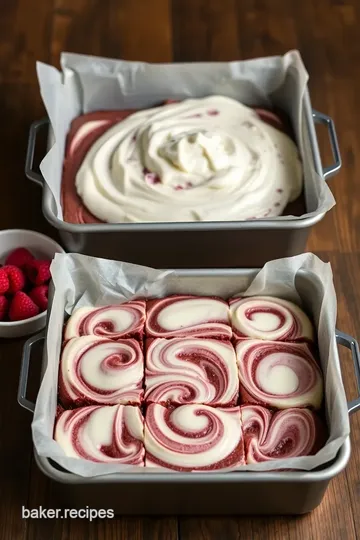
327	34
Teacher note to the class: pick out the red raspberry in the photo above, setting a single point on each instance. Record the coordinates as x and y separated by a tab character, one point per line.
22	307
4	282
19	257
4	302
15	276
38	272
39	295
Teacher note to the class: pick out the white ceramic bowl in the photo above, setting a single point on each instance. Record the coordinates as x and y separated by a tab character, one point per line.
41	247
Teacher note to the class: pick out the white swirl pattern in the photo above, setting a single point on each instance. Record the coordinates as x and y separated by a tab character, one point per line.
94	370
206	159
280	375
188	370
273	319
188	316
193	437
280	435
102	434
113	322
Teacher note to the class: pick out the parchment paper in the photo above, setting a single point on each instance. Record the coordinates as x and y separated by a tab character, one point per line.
88	83
81	280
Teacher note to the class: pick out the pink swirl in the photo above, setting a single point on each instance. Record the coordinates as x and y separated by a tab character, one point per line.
193	438
94	370
113	322
102	434
279	375
188	316
190	370
283	434
273	319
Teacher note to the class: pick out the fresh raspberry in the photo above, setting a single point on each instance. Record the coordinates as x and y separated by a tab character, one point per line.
4	302
39	295
15	276
4	282
19	257
22	307
38	272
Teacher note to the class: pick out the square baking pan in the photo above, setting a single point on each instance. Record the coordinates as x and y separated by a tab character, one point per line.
218	493
225	244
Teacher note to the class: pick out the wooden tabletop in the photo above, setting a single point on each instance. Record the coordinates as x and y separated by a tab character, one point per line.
327	34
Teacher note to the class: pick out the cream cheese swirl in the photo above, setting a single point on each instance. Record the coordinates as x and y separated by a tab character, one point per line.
273	319
283	434
191	370
279	375
109	434
207	159
99	371
193	437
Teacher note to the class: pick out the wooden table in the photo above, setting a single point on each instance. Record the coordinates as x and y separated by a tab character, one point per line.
327	34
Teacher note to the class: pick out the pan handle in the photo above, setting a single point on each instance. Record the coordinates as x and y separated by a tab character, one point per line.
24	372
321	118
351	343
29	160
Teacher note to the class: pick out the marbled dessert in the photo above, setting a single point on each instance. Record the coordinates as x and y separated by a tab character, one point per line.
99	371
279	375
188	316
112	322
189	370
102	434
193	438
280	435
266	317
213	397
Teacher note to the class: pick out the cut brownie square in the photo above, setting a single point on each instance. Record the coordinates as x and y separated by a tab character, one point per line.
284	434
190	370
99	371
193	438
117	321
266	317
104	434
188	316
278	375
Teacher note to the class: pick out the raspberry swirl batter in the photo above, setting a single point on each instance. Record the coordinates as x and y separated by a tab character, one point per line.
188	316
102	434
206	159
265	317
280	435
113	322
94	370
279	375
186	370
193	438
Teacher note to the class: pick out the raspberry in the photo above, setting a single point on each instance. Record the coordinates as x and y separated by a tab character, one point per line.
22	307
19	257
38	272
4	282
4	302
39	295
15	276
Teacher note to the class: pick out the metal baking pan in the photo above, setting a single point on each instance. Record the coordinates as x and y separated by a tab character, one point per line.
236	244
236	493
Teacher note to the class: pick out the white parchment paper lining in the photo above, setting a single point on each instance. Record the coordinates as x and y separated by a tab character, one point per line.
88	83
81	280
